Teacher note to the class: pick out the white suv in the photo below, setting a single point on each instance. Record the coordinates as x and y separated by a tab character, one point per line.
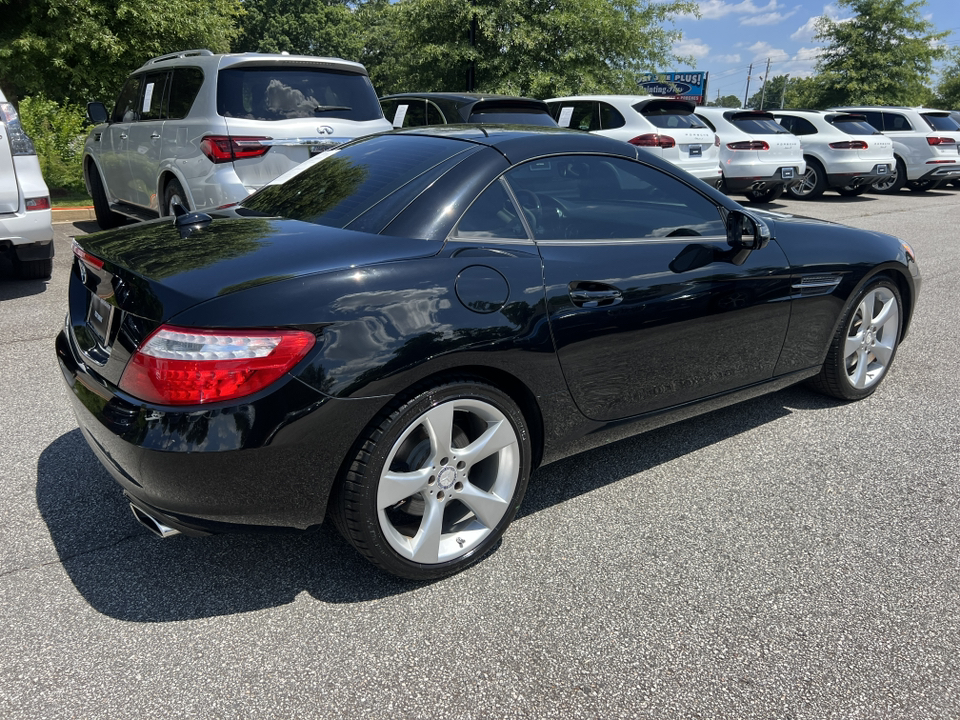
759	157
26	221
203	131
843	152
925	143
666	127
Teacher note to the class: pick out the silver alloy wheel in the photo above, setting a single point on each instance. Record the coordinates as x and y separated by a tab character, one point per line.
887	181
808	182
871	338
174	199
448	481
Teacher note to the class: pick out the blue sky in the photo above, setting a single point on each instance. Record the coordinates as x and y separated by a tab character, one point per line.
731	35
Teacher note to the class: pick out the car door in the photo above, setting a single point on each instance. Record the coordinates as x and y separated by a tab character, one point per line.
145	138
647	307
115	152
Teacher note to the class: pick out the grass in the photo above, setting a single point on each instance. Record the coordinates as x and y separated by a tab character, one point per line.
69	198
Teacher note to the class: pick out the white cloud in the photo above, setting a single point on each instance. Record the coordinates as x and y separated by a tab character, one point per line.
772	18
806	31
715	9
694	47
731	59
763	50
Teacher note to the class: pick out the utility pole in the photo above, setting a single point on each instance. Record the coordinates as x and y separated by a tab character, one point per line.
747	93
763	90
783	94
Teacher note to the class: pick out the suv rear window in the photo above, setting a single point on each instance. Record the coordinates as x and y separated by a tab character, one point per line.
518	116
665	114
757	124
339	189
941	122
283	93
853	125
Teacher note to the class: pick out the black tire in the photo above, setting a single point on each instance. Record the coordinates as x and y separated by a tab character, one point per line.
173	192
923	185
34	269
106	218
894	182
812	184
855	367
853	191
765	196
389	521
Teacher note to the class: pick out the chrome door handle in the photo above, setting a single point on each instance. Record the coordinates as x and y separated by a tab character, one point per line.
595	298
123	136
155	136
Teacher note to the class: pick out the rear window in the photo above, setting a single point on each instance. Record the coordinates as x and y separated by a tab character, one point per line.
758	125
282	93
664	114
339	189
941	122
853	126
520	116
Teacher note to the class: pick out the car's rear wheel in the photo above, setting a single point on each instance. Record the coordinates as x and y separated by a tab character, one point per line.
173	195
865	344
893	182
436	480
849	191
812	183
765	196
923	185
106	218
34	269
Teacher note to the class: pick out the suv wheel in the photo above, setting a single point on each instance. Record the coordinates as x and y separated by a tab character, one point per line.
174	195
106	218
894	181
34	269
812	183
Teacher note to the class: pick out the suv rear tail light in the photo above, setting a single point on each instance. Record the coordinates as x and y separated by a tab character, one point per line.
20	142
40	203
849	145
190	366
941	141
749	145
653	140
227	148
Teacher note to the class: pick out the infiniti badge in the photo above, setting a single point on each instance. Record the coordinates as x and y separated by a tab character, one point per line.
325	130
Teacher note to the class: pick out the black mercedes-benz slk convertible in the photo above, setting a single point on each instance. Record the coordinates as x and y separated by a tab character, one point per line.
398	332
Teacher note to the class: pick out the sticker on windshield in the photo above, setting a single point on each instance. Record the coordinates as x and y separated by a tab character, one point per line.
147	97
400	115
565	115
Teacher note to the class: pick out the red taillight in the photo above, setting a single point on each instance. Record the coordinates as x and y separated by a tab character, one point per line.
653	140
749	145
227	148
40	203
849	145
190	366
89	259
941	141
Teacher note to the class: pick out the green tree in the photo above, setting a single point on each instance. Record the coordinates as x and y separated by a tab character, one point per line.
948	91
57	133
770	95
329	28
726	101
82	50
528	47
883	55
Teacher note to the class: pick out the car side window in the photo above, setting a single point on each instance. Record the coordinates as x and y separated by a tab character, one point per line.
184	89
874	118
578	114
152	94
802	126
434	116
896	122
492	215
416	113
125	109
599	197
610	117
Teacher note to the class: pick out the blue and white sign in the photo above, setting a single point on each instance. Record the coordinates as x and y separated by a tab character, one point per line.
691	86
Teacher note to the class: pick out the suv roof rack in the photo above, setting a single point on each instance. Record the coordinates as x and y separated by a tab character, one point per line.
181	54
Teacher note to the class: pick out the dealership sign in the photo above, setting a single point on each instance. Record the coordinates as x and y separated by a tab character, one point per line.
690	86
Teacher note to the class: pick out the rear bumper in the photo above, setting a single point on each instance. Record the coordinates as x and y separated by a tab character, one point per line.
27	228
760	183
942	172
857	179
269	462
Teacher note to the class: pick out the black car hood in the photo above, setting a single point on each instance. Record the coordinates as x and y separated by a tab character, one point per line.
164	271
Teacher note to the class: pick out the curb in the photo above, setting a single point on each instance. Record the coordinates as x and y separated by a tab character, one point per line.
69	215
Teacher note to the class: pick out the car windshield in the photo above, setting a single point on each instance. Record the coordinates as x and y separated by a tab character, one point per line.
854	126
941	122
277	92
758	125
339	189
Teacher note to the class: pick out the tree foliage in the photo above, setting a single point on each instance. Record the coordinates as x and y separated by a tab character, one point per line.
726	101
948	91
57	133
328	28
884	55
526	47
769	95
82	50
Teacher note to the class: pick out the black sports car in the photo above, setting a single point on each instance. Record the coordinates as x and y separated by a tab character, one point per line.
398	334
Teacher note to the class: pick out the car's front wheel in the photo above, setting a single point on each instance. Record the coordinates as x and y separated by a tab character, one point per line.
436	480
865	344
106	218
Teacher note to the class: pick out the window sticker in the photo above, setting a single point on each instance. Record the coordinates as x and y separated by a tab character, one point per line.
565	114
400	115
147	97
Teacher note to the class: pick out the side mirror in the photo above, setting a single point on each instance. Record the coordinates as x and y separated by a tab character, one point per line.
97	113
745	232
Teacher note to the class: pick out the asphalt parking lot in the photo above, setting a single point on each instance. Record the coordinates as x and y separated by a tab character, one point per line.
791	557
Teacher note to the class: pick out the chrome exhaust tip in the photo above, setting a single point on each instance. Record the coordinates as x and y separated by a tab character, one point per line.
152	524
